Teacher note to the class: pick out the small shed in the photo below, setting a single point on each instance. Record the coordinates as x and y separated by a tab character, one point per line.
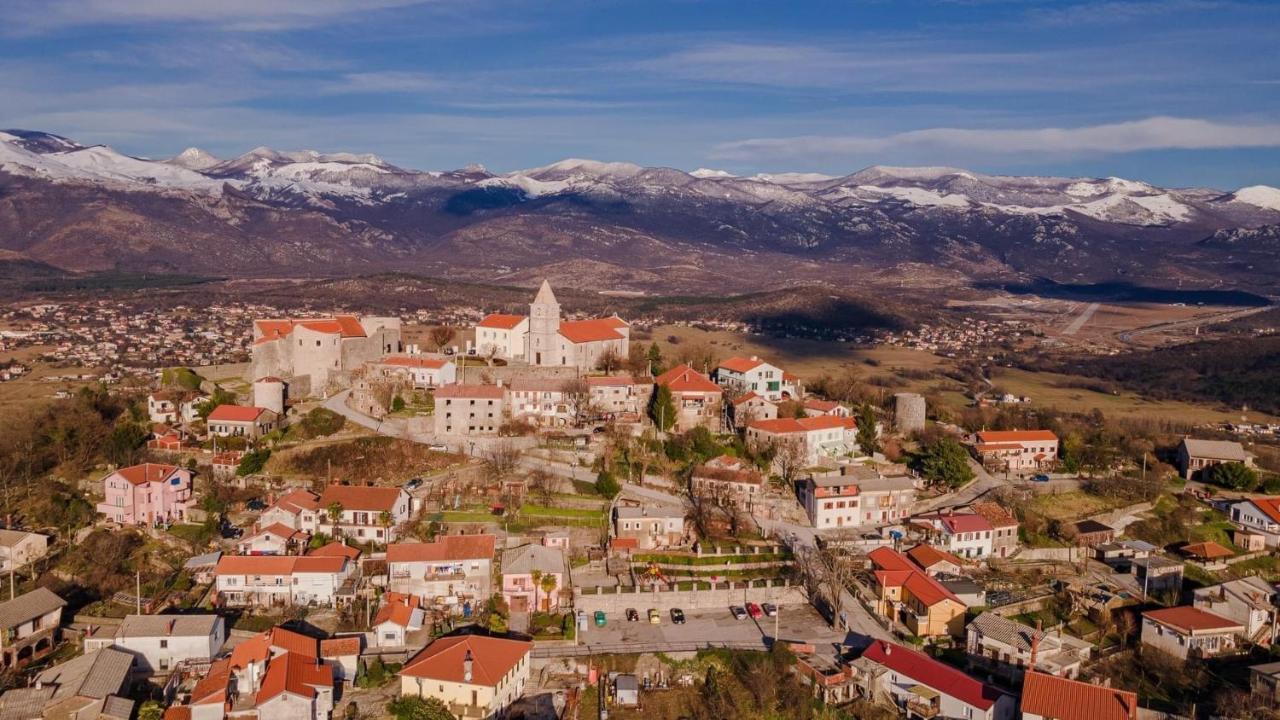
626	690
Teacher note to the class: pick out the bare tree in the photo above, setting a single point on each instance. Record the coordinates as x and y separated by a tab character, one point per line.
577	396
609	361
441	336
541	483
501	461
788	458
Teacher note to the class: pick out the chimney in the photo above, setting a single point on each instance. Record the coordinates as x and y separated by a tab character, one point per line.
172	622
888	649
466	667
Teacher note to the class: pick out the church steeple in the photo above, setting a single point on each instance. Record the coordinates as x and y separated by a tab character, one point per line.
545	296
544	328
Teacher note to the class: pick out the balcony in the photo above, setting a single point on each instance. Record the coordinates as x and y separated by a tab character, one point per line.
923	709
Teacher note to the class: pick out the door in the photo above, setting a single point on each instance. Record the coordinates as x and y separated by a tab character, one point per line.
520	603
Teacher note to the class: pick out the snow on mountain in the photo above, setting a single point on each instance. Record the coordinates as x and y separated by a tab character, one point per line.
103	162
576	168
792	178
194	158
529	186
707	173
39	142
919	196
1263	196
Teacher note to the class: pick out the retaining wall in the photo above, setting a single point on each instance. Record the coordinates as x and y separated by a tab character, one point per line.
617	601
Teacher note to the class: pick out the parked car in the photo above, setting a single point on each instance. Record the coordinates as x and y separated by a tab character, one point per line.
654	617
769	609
677	616
600	618
739	612
256	505
413	484
754	611
438	447
1040	478
632	615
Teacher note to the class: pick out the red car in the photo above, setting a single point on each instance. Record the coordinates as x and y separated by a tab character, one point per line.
754	611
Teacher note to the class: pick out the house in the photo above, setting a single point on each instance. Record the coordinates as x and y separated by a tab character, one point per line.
545	401
18	547
365	513
1091	532
398	616
996	643
619	395
751	407
274	539
698	401
1264	685
201	568
162	406
739	375
226	463
906	594
274	581
417	371
1259	515
1250	601
821	438
89	687
469	409
1189	632
1196	455
1016	450
854	496
501	335
926	688
1050	697
297	509
336	549
534	578
966	534
814	407
1209	555
935	562
626	690
728	481
161	643
242	421
473	675
454	570
147	494
29	627
1157	574
1004	528
833	680
313	353
650	526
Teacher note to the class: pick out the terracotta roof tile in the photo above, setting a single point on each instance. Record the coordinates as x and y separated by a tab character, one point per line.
236	413
336	549
1209	550
360	497
1015	436
1190	619
926	556
1050	696
596	330
933	674
501	321
928	591
446	547
415	362
491	659
740	365
683	378
146	473
295	674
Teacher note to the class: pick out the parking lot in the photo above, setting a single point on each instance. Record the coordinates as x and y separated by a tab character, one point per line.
795	622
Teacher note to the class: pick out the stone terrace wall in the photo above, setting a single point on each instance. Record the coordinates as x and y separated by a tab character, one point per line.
617	600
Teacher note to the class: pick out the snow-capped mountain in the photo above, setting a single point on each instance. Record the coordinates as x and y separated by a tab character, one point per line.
278	211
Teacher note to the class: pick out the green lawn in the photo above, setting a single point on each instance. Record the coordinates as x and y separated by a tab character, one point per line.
458	516
544	511
197	535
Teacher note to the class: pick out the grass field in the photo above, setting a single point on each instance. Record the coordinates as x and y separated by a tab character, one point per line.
1071	505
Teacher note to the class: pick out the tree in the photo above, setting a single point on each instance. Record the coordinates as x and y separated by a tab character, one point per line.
1236	476
548	585
607	485
385	519
441	336
151	710
122	447
536	576
541	483
497	611
397	404
945	461
609	361
662	409
408	707
334	511
577	396
788	458
252	462
501	461
654	358
867	439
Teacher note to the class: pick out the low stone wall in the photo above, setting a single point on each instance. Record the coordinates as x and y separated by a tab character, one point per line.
1063	554
619	599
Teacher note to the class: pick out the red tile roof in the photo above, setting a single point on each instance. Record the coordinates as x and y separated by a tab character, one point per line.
928	591
415	362
501	321
825	406
293	642
446	547
933	674
295	674
277	564
297	501
965	523
212	688
146	473
740	365
397	609
1062	699
345	325
1270	506
491	659
484	392
926	556
1190	619
336	549
596	330
236	413
279	530
995	514
1209	550
360	497
177	712
1015	436
786	426
683	378
340	646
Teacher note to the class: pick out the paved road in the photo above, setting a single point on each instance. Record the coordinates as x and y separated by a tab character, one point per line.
983	483
1081	319
1128	336
394	427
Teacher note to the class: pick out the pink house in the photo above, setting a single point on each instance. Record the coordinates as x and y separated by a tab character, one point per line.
146	494
518	587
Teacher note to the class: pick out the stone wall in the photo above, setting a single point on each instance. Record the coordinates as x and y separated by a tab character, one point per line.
617	600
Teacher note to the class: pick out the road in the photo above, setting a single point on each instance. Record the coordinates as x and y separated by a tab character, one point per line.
1081	319
983	483
1128	336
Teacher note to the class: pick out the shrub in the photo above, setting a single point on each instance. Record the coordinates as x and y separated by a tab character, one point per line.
253	462
1236	476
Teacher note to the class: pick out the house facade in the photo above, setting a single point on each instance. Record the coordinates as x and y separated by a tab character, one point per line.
1004	528
242	421
1190	632
161	643
544	401
277	581
320	350
739	375
500	335
147	494
650	526
1259	515
1196	455
698	401
18	547
728	480
473	675
30	626
821	438
926	688
463	410
966	534
856	496
534	578
906	594
367	514
455	570
619	395
1017	450
417	371
1249	601
998	644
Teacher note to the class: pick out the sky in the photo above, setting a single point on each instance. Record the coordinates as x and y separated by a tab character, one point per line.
1176	92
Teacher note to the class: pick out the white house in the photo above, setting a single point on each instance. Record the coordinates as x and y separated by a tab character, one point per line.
1189	632
619	394
543	401
927	688
420	372
399	615
473	675
295	509
966	534
159	643
821	437
453	570
1249	601
1259	515
463	410
240	421
856	496
501	335
273	581
274	539
368	514
740	375
1017	450
18	547
649	526
1009	647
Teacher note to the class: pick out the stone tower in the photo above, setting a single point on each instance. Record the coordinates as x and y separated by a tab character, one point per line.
544	328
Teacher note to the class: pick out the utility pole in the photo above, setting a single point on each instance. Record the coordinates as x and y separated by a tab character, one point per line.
138	589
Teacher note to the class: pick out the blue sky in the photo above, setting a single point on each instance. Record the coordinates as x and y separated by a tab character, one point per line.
1183	92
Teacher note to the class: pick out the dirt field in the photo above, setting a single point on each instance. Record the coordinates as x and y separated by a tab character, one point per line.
29	391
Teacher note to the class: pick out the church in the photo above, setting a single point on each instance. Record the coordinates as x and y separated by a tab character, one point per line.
543	339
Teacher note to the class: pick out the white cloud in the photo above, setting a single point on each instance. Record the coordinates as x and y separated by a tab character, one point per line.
1156	133
231	14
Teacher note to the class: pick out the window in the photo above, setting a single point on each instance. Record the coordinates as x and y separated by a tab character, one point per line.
164	644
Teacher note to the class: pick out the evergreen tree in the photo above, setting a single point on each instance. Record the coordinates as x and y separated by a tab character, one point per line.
867	430
662	409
